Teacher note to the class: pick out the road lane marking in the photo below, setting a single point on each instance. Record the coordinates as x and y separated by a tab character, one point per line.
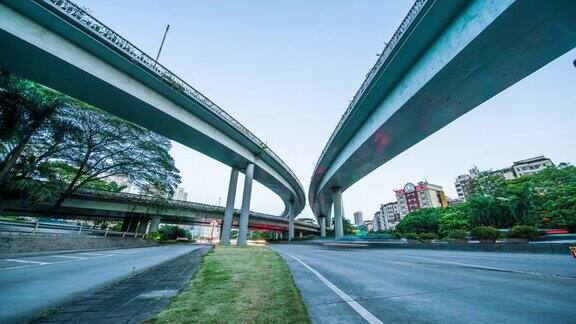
67	257
369	317
28	261
493	268
18	267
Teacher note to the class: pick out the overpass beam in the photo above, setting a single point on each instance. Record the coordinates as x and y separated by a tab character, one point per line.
245	212
338	212
291	223
155	224
322	221
229	211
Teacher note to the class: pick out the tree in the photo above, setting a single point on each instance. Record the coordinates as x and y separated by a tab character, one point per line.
488	210
102	146
25	108
492	184
424	220
453	219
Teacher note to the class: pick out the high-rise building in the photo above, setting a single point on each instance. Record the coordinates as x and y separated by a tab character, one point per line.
463	181
531	166
180	194
423	195
387	217
358	219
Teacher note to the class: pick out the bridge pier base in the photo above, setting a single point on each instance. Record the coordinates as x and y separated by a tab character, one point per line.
245	212
229	211
155	224
322	221
338	213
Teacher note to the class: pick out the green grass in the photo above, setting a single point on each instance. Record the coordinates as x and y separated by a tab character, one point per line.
238	285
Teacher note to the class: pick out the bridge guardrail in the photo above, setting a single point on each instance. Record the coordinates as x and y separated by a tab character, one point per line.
90	23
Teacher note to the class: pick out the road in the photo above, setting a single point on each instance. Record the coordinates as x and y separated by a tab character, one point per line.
401	286
31	285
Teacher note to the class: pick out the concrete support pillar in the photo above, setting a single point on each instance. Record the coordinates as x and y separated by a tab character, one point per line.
245	211
338	213
229	211
155	224
322	221
290	222
143	225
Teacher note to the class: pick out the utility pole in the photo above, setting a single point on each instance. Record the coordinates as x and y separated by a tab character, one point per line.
161	44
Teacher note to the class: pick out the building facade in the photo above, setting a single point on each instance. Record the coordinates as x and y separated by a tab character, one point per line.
422	195
180	194
358	218
387	217
531	166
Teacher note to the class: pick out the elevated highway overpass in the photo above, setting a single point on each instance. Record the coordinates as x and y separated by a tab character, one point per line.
60	45
446	58
141	212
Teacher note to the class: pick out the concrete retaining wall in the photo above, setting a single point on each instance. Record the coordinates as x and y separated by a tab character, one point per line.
12	244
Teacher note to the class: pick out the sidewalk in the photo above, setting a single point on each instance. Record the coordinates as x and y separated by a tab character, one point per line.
132	300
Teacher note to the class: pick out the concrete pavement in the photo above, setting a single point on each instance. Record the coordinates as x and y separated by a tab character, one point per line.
32	284
351	285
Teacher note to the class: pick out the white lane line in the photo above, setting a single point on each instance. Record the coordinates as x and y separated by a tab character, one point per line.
369	317
18	267
493	268
28	261
67	257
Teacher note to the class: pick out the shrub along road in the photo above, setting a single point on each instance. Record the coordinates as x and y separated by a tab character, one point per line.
405	286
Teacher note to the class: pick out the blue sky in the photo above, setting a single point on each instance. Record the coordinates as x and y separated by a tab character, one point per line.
287	70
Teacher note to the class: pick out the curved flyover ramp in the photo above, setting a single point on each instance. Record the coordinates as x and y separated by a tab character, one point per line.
446	58
58	44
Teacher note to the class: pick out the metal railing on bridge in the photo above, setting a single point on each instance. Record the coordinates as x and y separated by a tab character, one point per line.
80	17
418	5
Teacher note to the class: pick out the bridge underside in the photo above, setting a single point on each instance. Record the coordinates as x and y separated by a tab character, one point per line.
81	66
114	211
439	72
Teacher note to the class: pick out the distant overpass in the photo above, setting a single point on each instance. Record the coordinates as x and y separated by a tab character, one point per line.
446	58
60	45
139	212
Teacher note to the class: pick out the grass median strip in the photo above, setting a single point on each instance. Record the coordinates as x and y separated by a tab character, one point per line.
239	285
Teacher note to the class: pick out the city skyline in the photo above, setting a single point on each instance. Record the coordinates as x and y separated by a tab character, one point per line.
221	55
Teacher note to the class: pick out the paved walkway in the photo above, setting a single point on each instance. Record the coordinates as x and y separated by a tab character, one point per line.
134	299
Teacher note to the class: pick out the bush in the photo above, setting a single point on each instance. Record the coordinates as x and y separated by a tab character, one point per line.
428	236
172	232
523	232
156	237
410	236
458	234
453	220
485	233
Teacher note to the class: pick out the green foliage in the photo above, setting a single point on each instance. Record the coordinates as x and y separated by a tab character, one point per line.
348	227
524	232
453	219
424	220
172	232
52	145
485	233
410	236
428	236
458	234
156	237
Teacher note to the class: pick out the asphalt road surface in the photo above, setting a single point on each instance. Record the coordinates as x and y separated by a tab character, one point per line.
408	286
31	285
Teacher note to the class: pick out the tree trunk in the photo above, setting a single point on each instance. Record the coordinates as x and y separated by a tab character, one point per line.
13	158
